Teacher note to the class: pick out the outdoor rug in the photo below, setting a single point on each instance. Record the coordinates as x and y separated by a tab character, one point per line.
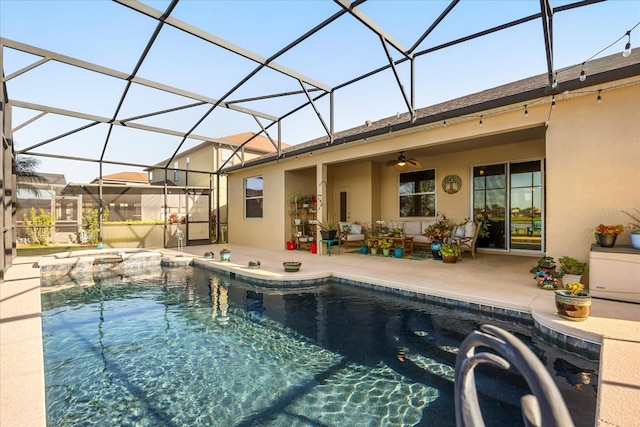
416	255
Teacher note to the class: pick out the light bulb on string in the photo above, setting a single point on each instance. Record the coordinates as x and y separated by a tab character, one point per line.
627	48
526	112
599	98
481	121
583	75
553	102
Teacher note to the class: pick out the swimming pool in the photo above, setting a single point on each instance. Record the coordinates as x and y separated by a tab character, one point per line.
188	346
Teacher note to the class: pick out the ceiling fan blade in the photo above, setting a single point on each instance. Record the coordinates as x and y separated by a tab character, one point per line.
391	163
414	162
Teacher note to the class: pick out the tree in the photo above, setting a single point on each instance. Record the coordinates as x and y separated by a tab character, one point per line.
26	175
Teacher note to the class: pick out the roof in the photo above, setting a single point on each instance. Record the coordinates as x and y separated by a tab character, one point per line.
136	177
536	88
54	178
257	144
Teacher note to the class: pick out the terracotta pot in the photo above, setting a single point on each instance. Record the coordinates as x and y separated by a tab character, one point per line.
451	259
573	307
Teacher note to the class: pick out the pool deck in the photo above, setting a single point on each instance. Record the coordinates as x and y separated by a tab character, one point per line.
501	281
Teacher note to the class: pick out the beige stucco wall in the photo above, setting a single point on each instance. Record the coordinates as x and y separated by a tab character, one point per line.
593	168
591	153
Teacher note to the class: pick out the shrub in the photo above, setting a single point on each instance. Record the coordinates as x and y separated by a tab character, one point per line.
39	227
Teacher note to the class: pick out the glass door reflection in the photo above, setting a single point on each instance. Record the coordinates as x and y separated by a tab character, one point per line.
526	206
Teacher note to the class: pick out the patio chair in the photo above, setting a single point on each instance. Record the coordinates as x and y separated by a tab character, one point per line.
465	236
351	233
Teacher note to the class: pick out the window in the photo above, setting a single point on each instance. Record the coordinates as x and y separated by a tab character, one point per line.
253	197
175	172
418	193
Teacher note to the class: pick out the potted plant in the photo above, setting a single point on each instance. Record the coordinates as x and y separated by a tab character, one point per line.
635	228
572	303
305	201
606	234
385	245
437	233
294	197
545	274
372	244
572	269
399	249
225	254
328	229
450	253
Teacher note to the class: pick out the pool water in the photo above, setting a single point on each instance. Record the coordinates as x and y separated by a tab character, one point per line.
188	347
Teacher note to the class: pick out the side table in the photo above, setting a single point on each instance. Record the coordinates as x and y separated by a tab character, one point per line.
329	243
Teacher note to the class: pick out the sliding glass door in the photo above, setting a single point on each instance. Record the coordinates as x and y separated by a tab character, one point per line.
515	188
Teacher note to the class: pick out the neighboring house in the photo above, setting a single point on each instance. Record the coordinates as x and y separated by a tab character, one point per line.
128	178
543	166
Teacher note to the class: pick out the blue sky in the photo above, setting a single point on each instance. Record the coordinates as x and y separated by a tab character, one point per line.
111	35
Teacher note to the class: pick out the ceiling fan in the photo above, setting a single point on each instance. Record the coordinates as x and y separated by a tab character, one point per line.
402	163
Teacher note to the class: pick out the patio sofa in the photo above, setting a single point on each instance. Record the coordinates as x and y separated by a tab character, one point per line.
415	229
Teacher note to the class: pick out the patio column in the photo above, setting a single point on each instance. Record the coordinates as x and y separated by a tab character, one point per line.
322	196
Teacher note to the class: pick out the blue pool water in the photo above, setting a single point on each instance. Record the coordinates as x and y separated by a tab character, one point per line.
188	347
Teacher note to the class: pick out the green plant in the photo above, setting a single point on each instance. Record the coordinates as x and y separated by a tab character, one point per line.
449	250
635	216
371	242
385	243
39	226
570	265
547	263
327	225
438	231
294	197
574	288
92	223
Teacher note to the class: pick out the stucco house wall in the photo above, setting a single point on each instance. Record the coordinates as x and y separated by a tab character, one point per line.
591	153
593	168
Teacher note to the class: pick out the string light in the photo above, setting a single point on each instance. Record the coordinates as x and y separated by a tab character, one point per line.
627	48
526	112
583	76
555	81
553	101
599	98
444	123
481	121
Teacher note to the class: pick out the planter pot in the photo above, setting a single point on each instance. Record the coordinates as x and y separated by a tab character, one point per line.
291	246
606	240
374	251
225	255
291	266
313	247
572	278
635	240
208	255
435	251
386	252
297	221
573	307
254	263
397	252
450	259
364	249
328	235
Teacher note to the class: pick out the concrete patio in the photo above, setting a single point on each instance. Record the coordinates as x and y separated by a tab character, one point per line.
496	280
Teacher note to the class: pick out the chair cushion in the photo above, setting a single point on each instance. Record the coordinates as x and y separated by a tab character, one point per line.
470	229
355	237
459	231
413	228
342	226
355	229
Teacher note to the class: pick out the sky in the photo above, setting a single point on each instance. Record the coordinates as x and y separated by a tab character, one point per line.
111	35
